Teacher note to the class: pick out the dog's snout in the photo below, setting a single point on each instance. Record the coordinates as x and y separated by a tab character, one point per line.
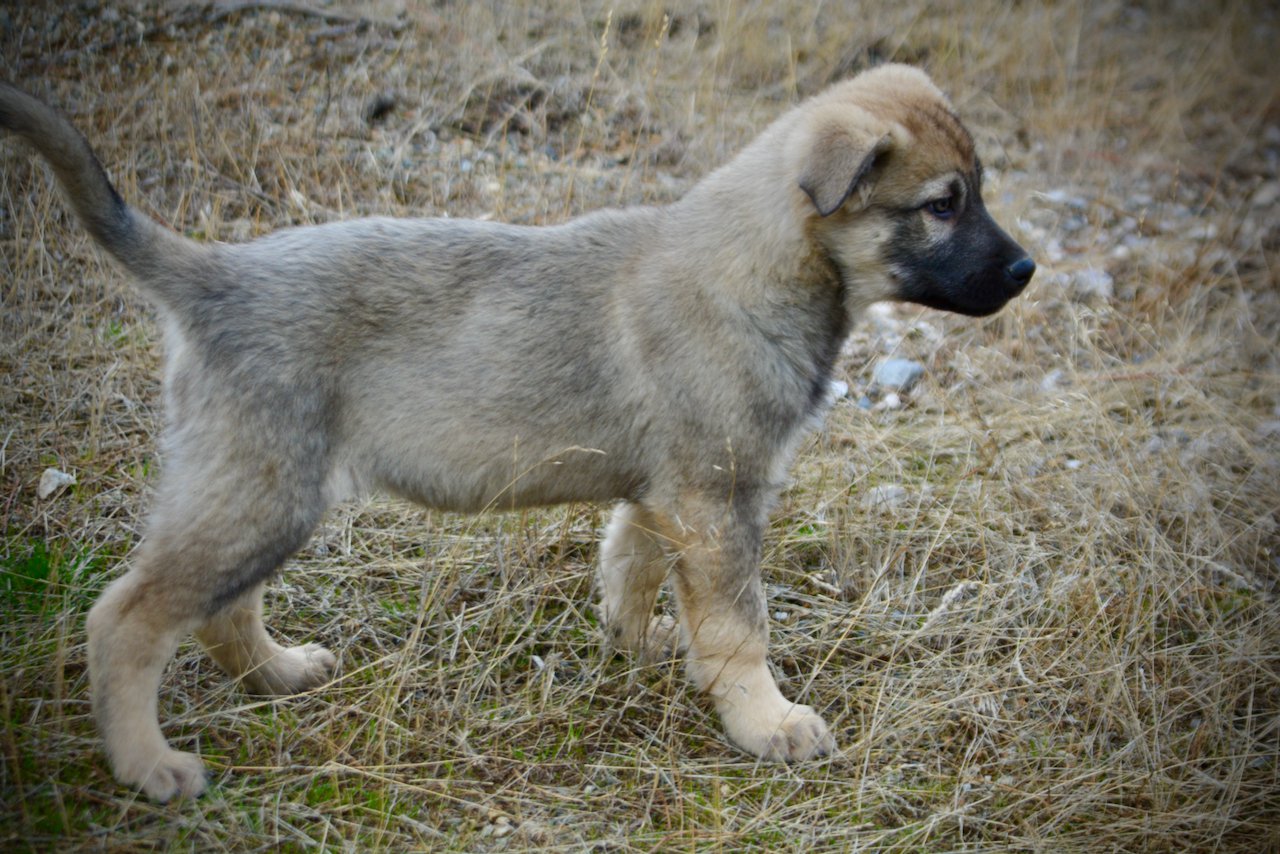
1021	271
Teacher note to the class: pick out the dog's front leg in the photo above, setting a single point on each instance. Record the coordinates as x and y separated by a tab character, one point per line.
724	622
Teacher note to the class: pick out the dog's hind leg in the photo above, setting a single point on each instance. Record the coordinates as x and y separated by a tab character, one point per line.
633	565
238	641
223	522
723	618
134	629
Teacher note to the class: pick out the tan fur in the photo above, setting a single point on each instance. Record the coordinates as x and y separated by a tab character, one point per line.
668	358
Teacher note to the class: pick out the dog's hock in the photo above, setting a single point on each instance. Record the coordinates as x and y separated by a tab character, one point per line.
838	162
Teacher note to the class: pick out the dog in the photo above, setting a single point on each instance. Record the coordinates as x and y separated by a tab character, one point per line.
665	358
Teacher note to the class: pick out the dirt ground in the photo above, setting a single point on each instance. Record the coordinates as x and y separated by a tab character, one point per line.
1036	595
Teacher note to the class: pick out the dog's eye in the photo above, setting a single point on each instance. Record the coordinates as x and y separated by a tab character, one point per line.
943	208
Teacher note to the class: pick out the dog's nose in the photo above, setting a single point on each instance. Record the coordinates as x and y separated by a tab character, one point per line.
1021	271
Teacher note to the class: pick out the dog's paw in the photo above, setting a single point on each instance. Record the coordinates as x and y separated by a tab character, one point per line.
310	666
292	671
778	732
658	642
163	777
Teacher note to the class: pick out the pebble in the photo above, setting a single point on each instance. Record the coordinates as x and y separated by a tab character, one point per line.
1267	194
898	374
890	401
52	480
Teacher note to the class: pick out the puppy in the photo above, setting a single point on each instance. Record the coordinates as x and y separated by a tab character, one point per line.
666	358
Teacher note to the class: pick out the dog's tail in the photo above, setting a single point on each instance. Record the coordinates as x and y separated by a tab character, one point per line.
148	250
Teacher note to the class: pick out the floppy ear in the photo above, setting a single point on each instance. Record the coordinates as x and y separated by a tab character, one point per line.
839	158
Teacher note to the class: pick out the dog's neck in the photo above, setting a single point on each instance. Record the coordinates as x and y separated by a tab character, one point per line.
762	247
770	268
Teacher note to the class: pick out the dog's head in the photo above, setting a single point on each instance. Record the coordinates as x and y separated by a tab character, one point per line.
893	192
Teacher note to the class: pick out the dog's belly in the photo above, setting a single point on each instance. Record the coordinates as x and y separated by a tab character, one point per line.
465	429
473	479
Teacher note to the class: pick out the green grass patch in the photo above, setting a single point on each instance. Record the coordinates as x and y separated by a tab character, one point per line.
38	577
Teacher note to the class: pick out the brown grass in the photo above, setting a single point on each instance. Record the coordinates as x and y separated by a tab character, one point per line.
1063	636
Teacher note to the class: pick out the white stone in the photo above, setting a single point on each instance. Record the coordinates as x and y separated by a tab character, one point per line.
898	374
51	481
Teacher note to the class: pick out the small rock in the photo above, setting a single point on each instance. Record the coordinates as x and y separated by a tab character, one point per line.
890	401
1267	194
865	403
51	481
898	374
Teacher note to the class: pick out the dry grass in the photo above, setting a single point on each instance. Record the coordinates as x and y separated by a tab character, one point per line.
1061	636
